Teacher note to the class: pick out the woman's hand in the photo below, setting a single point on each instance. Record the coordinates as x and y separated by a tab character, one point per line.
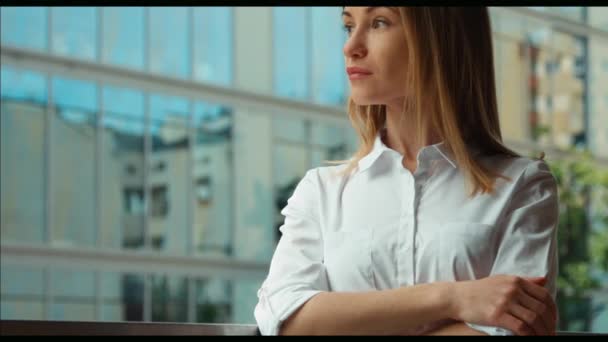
521	305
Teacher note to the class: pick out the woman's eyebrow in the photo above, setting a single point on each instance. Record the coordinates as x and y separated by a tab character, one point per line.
370	9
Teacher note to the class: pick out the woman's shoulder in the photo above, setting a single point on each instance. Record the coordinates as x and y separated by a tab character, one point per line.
523	171
515	166
326	176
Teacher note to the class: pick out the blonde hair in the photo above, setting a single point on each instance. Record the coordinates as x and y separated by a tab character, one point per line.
450	60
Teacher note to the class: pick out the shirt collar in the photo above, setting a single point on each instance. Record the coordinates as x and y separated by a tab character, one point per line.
431	152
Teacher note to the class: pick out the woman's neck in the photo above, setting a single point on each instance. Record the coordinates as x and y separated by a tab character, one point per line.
402	136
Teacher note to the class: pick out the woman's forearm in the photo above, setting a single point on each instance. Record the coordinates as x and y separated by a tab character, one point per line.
379	312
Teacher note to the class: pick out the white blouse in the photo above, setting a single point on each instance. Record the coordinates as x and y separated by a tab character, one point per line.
383	227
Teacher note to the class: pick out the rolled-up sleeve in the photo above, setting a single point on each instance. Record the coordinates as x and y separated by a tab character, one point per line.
296	271
528	247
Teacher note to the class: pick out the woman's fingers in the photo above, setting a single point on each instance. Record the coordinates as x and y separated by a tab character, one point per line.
530	318
539	308
516	325
542	295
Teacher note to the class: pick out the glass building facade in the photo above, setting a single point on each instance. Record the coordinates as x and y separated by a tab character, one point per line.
146	152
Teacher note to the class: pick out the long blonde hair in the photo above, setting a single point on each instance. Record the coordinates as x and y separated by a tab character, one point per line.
450	61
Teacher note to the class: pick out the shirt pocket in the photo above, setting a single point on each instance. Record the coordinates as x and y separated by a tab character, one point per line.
348	261
467	250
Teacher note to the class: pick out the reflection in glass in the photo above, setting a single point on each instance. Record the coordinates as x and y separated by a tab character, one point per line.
123	36
14	32
213	45
132	296
290	163
113	306
291	52
598	95
75	32
169	299
73	139
169	174
169	45
22	144
212	171
122	190
328	70
289	128
22	292
213	298
72	295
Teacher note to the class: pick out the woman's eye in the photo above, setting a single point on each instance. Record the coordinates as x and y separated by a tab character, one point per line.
347	28
379	23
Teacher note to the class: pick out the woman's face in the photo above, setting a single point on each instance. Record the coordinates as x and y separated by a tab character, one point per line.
376	45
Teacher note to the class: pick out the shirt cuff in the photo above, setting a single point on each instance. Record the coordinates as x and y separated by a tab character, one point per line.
492	331
268	321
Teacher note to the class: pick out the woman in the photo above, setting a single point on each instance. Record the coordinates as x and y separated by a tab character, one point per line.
434	226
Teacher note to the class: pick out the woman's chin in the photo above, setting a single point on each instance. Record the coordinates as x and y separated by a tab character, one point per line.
363	100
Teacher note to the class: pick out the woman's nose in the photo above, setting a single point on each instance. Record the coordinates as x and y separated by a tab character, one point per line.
355	47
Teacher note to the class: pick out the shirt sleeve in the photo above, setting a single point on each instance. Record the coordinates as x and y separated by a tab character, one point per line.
296	271
528	247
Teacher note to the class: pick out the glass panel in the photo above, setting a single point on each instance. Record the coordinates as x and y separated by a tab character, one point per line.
598	17
22	144
69	283
20	309
133	297
169	43
291	52
75	32
73	142
244	300
123	36
70	311
122	195
598	96
169	299
22	85
112	312
576	13
328	70
111	292
169	174
326	134
289	129
213	299
14	32
254	213
290	164
21	281
213	45
213	180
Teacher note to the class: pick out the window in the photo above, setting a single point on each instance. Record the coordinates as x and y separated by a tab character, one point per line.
213	45
14	32
328	69
169	41
75	32
203	191
134	201
159	201
73	138
122	160
123	36
22	143
292	52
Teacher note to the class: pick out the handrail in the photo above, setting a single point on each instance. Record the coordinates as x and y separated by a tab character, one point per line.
33	327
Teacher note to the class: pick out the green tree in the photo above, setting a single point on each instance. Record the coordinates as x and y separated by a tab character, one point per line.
582	238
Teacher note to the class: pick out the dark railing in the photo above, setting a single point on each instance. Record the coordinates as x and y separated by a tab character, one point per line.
27	327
